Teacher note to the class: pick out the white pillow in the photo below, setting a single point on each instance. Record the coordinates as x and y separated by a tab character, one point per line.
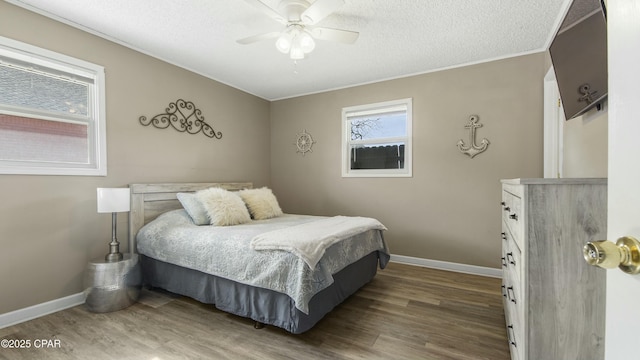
261	202
194	208
223	207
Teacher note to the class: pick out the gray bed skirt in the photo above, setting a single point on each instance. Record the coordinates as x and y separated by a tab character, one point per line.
262	305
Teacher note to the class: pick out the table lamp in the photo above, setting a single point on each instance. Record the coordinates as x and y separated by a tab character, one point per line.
113	200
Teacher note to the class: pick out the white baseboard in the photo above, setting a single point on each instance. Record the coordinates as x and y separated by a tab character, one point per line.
449	266
36	311
49	307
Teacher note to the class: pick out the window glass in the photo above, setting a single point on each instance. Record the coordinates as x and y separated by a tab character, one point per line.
42	91
51	113
377	139
379	126
34	140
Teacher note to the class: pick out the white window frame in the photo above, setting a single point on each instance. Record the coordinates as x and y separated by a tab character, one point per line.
45	59
373	109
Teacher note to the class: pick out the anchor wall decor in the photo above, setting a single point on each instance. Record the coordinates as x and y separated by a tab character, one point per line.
184	117
473	149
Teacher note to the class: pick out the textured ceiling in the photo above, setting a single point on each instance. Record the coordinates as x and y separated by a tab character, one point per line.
397	37
578	10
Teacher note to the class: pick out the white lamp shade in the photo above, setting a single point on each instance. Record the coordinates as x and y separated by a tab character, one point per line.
112	200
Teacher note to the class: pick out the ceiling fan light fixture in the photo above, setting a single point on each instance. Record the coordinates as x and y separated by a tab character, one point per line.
283	44
296	53
306	42
295	41
300	34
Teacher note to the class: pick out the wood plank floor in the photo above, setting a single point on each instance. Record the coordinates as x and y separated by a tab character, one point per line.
406	312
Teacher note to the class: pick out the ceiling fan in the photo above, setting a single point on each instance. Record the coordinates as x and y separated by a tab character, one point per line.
299	18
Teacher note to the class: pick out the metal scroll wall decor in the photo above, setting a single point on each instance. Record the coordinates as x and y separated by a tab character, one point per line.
473	149
184	117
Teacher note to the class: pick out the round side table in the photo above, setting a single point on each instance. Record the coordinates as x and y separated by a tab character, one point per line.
112	286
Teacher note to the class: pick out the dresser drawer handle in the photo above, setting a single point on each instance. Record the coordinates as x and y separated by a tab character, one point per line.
511	259
506	208
514	217
511	294
504	236
511	336
503	289
504	261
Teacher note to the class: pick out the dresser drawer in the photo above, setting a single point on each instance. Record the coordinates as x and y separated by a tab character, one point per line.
514	300
512	215
515	337
513	259
515	282
515	331
514	317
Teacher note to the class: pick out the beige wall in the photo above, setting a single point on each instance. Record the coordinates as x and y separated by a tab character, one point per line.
584	142
449	210
49	227
585	146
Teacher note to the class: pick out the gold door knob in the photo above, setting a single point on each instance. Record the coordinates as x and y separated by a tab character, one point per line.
625	254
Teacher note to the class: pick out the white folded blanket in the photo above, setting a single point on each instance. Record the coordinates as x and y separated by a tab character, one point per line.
310	240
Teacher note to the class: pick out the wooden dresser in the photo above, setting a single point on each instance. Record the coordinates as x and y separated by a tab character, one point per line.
554	302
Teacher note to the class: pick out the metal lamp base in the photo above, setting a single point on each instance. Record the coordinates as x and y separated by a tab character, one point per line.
113	257
114	254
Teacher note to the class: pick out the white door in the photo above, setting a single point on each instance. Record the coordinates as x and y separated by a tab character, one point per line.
622	337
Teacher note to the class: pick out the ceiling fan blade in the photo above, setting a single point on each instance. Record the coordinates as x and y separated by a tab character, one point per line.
319	10
272	13
343	36
259	37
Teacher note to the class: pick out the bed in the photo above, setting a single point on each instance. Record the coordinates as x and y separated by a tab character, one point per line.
229	267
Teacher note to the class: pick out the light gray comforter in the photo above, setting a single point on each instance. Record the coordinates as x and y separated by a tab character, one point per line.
225	251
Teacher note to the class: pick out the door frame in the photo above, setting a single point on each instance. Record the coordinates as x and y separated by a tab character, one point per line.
553	127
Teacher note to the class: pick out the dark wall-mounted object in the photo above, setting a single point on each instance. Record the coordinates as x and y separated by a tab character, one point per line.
184	117
579	56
